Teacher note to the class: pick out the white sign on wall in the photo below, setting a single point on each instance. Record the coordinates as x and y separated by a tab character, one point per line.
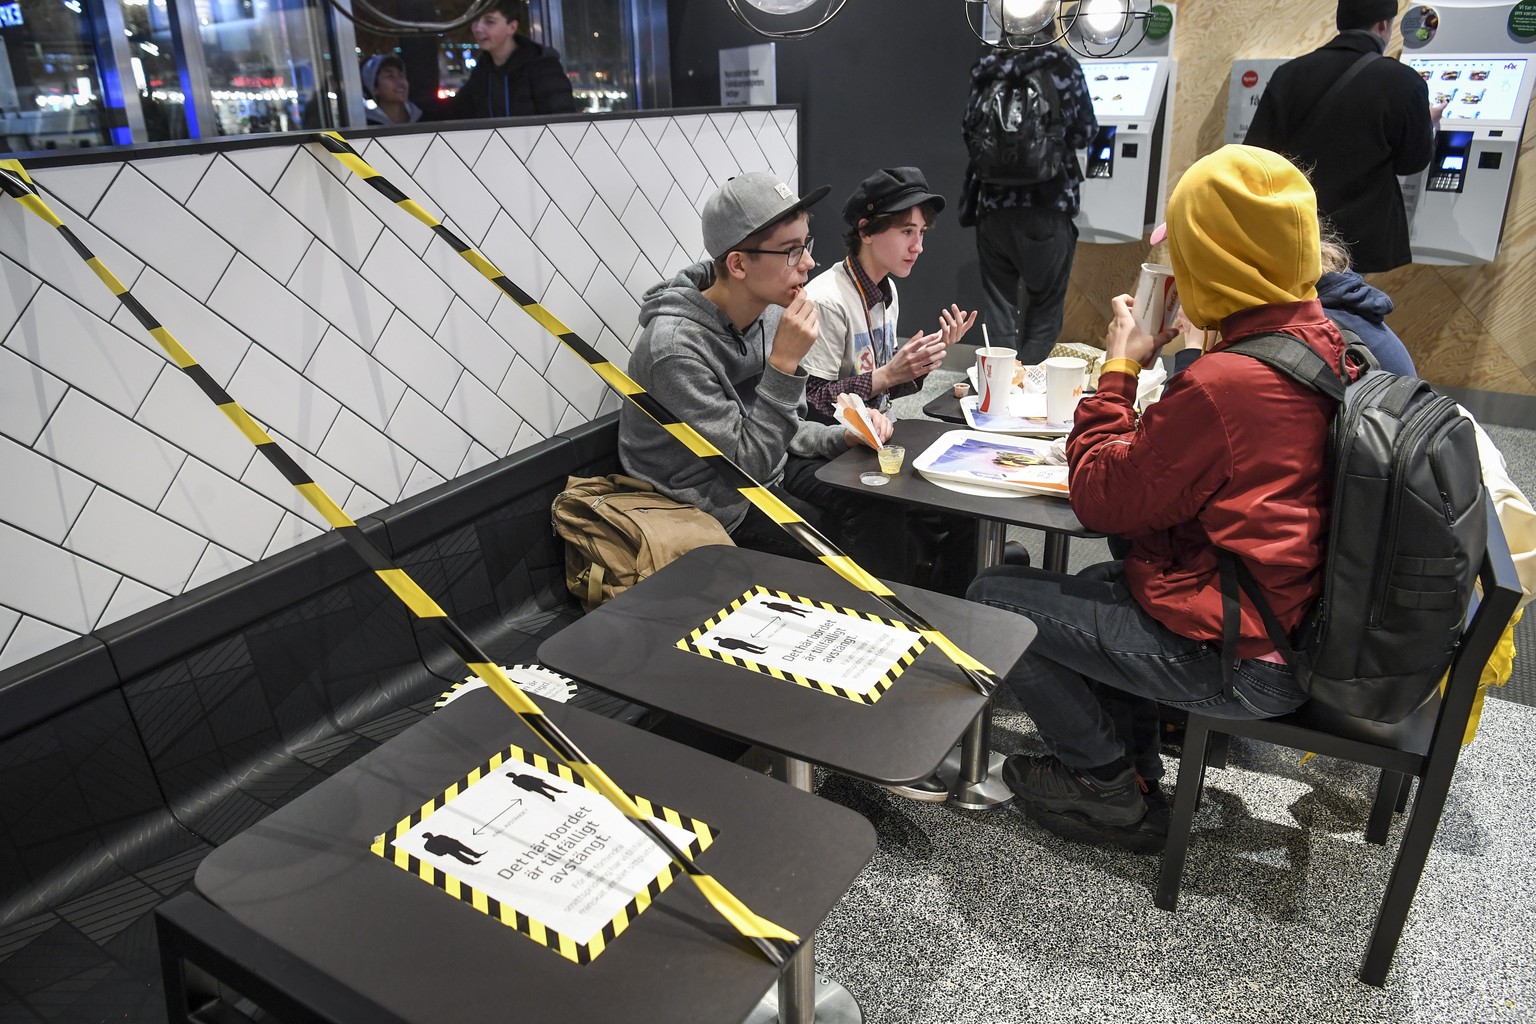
1249	77
748	76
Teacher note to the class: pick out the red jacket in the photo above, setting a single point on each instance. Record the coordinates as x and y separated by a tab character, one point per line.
1233	455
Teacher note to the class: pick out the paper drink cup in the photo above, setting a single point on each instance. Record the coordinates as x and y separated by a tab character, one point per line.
1157	298
1063	387
994	377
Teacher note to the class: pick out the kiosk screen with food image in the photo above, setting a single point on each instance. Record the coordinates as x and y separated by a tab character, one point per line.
1473	88
1121	88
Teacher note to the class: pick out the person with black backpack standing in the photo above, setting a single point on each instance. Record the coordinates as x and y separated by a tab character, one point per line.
1232	458
1357	120
1029	112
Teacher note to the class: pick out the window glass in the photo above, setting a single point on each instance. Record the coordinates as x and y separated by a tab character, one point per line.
596	40
50	94
599	54
262	57
152	55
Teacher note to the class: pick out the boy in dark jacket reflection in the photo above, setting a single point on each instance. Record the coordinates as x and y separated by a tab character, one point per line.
513	76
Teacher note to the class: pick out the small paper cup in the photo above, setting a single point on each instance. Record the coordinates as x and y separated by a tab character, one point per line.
1157	298
1063	387
994	377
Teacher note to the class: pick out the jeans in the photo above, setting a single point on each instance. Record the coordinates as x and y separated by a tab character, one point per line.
880	535
1094	676
1026	260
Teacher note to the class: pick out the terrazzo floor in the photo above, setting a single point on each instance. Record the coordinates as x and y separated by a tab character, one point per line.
981	918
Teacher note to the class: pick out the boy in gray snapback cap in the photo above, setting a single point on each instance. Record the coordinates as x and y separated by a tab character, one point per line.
721	347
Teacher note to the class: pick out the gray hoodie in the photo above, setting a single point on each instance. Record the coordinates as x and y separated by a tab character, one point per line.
697	364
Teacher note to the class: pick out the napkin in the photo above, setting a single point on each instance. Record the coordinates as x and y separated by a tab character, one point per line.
852	413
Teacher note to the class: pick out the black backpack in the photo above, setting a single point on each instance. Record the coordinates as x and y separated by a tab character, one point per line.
1016	135
1407	532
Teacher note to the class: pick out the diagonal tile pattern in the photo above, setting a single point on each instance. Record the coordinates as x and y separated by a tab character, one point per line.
337	319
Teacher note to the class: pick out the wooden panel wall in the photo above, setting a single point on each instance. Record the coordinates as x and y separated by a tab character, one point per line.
1465	326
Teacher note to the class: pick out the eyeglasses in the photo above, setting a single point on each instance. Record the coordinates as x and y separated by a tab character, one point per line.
792	257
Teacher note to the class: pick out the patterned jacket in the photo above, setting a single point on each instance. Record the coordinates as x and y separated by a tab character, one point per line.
1061	192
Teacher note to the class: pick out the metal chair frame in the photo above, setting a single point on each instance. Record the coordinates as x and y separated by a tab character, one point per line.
1425	746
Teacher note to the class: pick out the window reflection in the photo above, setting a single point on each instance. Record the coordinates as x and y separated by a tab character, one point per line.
49	96
596	40
598	52
262	59
152	55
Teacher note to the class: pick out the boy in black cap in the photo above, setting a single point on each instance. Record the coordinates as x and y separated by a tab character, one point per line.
721	347
856	304
857	351
1357	121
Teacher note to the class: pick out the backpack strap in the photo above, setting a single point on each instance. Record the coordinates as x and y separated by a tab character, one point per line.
1294	358
595	574
1235	575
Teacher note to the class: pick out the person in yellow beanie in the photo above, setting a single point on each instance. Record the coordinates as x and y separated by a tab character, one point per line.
1231	457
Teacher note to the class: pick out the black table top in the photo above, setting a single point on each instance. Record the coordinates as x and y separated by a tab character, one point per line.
1037	511
626	647
305	879
946	407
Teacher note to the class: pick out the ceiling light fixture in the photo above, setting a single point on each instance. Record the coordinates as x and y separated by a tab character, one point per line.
1094	28
783	9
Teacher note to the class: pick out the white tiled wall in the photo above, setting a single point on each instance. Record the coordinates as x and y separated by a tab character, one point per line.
375	355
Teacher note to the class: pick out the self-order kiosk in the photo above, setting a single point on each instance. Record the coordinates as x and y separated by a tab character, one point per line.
1125	169
1476	62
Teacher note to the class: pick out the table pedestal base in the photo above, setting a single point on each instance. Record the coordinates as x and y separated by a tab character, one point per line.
834	1005
984	795
973	772
802	996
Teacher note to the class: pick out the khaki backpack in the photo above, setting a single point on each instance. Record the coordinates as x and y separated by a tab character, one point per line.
618	530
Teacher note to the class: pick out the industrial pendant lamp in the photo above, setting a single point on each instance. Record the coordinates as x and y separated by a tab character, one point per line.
1094	28
782	9
1022	18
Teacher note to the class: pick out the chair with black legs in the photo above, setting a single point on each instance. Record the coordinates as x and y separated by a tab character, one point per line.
1425	745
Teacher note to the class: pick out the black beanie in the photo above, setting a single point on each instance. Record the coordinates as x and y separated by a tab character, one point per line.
1364	13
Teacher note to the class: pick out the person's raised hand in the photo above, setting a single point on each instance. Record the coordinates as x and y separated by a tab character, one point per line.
954	322
795	336
1435	110
1124	338
921	354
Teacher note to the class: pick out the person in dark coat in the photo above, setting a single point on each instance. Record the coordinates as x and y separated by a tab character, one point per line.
513	76
1380	126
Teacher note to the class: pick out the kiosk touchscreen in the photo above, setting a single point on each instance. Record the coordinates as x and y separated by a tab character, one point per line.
1126	164
1459	214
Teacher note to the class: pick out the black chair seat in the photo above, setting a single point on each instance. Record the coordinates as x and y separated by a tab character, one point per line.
1425	746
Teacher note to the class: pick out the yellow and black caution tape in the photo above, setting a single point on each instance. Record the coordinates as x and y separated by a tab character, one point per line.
808	536
388	846
776	943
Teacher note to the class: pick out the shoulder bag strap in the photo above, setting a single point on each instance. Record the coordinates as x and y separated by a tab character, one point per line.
1310	121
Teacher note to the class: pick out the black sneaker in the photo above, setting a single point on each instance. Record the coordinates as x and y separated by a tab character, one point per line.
1076	806
1015	553
1044	783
